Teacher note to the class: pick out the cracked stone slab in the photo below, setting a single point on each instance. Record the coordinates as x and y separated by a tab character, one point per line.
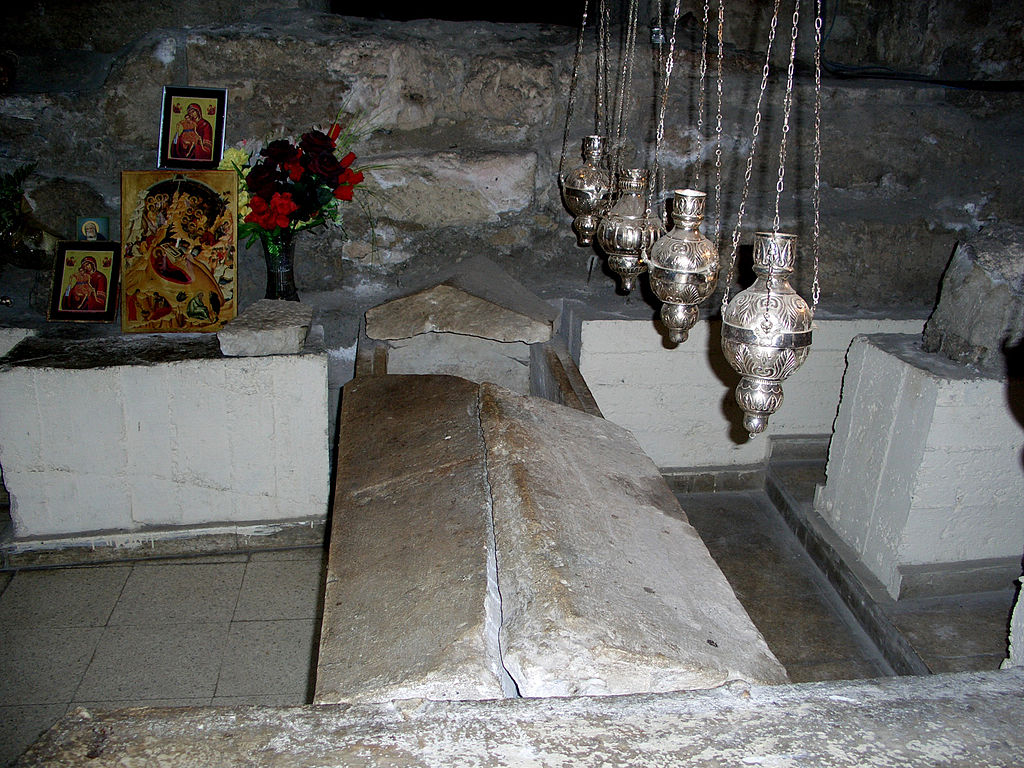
267	327
970	719
406	610
605	587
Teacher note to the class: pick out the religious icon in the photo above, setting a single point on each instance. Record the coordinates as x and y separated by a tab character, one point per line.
85	282
179	233
192	127
93	228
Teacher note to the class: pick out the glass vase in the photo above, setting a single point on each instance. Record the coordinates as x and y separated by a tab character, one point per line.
279	253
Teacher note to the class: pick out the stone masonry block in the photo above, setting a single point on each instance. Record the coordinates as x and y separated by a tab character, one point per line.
267	327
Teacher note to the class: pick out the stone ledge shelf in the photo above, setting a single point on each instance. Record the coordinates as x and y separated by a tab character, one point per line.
486	544
159	434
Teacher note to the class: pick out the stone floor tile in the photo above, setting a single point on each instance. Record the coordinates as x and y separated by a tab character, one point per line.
281	589
179	593
22	724
960	626
43	665
155	662
292	553
759	566
804	629
853	669
269	657
62	597
723	515
979	663
223	557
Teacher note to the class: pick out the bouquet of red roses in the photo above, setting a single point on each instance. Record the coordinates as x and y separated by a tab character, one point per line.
294	187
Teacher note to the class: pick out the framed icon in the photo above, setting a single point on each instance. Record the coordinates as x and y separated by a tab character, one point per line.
93	228
179	235
192	125
85	282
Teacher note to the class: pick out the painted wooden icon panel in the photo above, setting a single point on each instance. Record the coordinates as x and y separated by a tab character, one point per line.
179	246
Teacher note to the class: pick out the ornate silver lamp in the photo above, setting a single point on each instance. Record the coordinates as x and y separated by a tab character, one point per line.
683	265
585	189
626	233
766	330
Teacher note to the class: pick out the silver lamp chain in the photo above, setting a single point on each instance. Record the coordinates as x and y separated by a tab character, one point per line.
700	93
718	128
572	91
815	245
625	78
787	105
660	131
750	158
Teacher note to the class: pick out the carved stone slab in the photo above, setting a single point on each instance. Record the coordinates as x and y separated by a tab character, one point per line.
406	609
605	587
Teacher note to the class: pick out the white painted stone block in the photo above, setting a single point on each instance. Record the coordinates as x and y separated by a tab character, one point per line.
913	479
186	440
679	402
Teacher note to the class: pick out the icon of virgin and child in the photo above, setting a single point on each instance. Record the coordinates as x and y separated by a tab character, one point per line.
193	136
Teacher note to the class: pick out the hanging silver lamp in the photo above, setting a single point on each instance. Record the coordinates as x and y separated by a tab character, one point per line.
766	330
626	233
683	265
585	189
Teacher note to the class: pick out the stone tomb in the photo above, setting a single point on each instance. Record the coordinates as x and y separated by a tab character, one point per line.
486	544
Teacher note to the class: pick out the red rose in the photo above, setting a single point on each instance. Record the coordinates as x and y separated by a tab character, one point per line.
316	143
272	215
348	159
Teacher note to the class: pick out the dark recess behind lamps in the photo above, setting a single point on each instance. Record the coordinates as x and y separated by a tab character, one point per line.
528	12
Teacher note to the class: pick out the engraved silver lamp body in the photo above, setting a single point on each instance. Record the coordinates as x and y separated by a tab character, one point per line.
585	189
626	233
766	330
683	265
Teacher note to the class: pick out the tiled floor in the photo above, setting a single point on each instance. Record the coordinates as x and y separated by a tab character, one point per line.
215	630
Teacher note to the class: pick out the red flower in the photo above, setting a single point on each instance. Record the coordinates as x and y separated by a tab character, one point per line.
273	214
348	159
344	192
293	168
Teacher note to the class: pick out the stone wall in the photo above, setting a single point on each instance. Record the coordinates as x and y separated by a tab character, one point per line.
469	122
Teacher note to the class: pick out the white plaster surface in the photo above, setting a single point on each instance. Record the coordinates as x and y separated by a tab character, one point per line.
177	443
924	465
679	402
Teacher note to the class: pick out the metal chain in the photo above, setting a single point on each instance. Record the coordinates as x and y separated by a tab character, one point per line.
625	77
750	158
572	92
660	131
700	93
787	105
718	127
604	96
815	244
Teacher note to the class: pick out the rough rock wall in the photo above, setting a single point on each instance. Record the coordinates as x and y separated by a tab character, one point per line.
470	119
